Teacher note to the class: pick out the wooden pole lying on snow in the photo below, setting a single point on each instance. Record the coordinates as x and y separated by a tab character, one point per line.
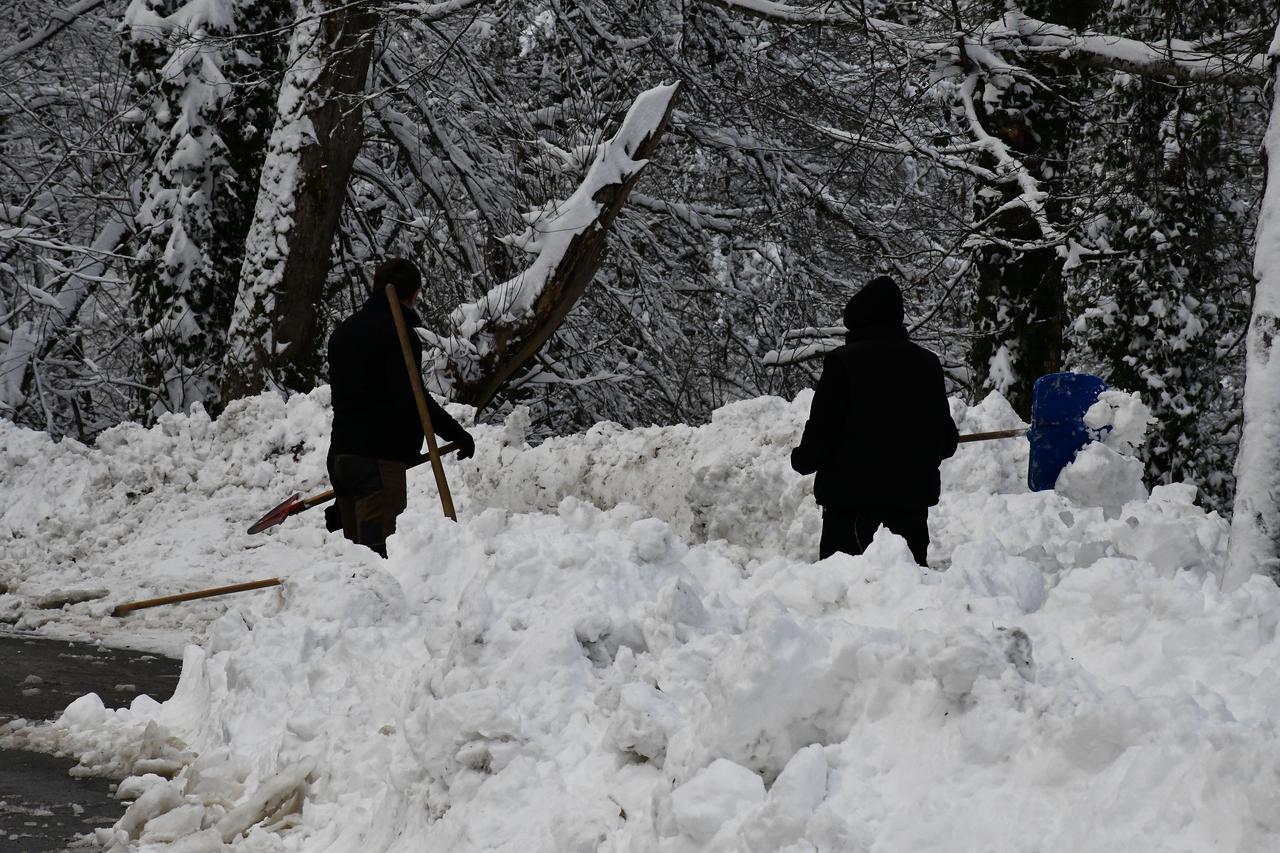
415	380
124	609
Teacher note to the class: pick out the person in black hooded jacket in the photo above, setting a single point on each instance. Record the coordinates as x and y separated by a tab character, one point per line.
879	427
377	432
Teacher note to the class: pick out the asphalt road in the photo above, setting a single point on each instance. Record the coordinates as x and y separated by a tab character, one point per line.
42	808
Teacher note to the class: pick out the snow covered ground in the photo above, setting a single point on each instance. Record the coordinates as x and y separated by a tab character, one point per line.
626	646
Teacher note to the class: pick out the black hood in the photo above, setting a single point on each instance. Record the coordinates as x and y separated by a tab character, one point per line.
879	303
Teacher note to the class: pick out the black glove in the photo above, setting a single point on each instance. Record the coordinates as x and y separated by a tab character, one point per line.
332	518
466	446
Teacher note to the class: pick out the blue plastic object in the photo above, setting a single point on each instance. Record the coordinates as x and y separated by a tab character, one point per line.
1058	404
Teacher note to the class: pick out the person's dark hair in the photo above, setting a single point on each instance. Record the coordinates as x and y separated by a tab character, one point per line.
403	274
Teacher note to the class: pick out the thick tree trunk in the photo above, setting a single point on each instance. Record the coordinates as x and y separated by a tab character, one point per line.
1019	312
288	251
1018	316
1255	520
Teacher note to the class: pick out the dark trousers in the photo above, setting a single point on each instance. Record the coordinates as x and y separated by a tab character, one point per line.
850	529
370	493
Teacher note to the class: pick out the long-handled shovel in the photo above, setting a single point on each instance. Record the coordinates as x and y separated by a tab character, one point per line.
1059	402
295	503
415	380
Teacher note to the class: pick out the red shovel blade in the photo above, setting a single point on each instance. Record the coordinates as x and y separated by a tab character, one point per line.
279	513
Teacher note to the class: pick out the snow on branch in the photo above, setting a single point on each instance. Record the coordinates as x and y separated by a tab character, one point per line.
432	12
1031	196
802	353
12	214
1204	59
835	14
31	339
949	156
827	13
492	338
59	20
720	219
1175	58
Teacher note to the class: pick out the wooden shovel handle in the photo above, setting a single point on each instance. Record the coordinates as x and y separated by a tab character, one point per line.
988	436
123	609
415	380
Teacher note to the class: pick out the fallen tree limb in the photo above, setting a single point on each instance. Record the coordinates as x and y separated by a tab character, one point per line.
496	336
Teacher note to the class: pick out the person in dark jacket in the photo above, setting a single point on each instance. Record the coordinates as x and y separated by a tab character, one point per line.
879	427
377	432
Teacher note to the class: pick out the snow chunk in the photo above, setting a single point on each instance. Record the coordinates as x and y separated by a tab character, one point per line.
156	801
1119	419
644	721
1099	476
984	570
793	798
59	598
713	797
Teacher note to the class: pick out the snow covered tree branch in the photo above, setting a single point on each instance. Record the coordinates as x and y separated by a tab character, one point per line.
1180	59
491	339
1174	59
59	20
23	347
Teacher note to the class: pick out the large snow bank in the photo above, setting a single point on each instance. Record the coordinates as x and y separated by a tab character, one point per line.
625	646
152	512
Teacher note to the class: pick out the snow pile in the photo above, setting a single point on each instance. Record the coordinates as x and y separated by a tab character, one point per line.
625	646
730	480
155	512
1106	473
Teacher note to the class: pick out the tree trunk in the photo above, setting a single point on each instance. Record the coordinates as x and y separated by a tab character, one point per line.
288	251
1018	316
1019	313
1255	520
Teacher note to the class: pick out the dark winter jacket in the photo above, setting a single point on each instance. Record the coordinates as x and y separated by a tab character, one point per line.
879	425
374	411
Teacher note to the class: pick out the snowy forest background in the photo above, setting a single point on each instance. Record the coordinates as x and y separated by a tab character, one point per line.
1050	200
